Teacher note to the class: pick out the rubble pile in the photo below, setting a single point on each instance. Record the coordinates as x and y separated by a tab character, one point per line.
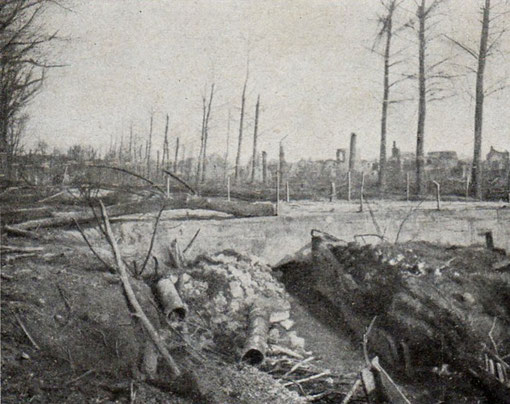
221	289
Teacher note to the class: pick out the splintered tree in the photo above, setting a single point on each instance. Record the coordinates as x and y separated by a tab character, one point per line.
240	139
165	160
206	113
492	31
386	33
23	67
227	147
429	78
206	133
255	134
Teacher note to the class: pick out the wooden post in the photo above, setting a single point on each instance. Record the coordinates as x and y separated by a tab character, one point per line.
264	167
467	186
277	193
288	191
361	192
349	186
438	194
489	240
228	188
176	161
332	197
407	186
167	186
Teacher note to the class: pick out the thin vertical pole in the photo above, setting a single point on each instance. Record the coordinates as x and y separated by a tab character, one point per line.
277	193
349	186
438	194
228	188
333	192
167	186
467	186
288	191
361	192
407	186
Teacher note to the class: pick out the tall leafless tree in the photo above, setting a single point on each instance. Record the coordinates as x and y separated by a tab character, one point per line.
492	32
240	138
386	34
255	134
430	76
206	133
23	67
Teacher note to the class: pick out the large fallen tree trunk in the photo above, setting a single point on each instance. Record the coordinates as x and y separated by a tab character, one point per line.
235	208
433	304
238	209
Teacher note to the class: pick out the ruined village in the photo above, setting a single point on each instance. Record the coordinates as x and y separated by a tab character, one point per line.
235	203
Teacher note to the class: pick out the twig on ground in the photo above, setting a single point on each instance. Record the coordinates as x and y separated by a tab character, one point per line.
352	391
156	339
18	249
20	233
88	372
191	242
63	296
26	331
298	365
277	349
51	197
307	379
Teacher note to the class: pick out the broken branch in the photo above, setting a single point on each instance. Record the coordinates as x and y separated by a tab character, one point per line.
132	297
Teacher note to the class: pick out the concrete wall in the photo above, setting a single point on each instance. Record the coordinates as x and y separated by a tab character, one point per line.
274	238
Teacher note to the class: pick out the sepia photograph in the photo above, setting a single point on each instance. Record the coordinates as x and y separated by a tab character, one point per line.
255	201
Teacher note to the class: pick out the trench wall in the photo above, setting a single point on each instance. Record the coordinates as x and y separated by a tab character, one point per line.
275	239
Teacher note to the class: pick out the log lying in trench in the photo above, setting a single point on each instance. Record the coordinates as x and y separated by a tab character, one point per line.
238	209
442	313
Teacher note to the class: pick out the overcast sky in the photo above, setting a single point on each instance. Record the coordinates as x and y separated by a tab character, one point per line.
310	61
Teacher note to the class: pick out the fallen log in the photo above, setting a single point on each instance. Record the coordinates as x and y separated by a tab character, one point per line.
236	208
133	301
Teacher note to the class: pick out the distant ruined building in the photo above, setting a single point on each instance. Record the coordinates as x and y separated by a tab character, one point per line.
498	160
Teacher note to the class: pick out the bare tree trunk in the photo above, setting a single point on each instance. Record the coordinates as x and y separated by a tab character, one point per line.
199	163
281	163
422	109
254	156
388	30
225	174
482	56
166	157
176	161
240	140
264	167
149	147
206	133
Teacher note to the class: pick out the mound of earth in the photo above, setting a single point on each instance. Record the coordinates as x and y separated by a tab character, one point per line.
69	334
430	304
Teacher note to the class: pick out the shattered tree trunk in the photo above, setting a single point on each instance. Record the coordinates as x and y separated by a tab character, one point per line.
479	99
